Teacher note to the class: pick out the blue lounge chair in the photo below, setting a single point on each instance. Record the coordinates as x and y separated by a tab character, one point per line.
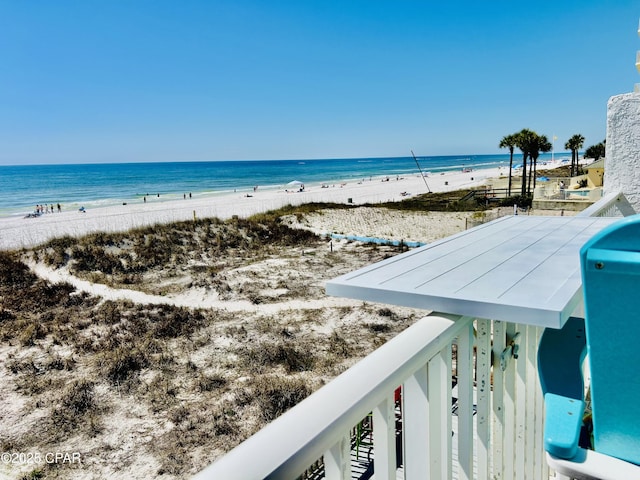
607	445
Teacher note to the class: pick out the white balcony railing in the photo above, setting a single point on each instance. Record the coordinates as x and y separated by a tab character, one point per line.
497	417
613	204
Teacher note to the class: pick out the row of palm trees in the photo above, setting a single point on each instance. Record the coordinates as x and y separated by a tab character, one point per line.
531	145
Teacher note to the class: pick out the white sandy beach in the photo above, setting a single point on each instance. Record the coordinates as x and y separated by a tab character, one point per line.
18	232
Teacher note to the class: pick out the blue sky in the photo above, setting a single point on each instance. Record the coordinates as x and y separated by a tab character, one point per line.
157	80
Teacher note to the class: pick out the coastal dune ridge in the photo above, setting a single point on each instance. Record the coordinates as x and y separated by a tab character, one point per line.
19	232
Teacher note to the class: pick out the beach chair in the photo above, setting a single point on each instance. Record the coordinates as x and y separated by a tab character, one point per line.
605	442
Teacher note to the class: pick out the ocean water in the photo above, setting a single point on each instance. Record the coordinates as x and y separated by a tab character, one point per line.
94	185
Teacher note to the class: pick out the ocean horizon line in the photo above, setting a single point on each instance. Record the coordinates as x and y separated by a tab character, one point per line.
301	159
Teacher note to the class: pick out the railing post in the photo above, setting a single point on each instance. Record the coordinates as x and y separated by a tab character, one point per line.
523	402
415	429
533	398
509	409
541	469
499	344
483	382
337	460
384	439
465	403
439	407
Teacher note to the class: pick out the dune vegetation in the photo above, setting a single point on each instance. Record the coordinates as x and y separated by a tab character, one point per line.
139	389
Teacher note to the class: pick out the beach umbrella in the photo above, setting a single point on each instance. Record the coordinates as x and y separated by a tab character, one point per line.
295	183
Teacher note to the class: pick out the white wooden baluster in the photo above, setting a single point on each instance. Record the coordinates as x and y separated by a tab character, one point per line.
483	382
509	408
521	366
337	460
384	439
439	407
532	456
415	429
465	404
497	440
541	469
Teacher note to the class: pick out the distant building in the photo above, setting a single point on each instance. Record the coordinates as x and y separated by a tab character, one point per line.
595	173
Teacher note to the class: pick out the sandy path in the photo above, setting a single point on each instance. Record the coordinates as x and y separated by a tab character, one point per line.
194	298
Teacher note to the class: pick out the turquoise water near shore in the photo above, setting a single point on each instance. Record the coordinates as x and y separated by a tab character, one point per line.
22	187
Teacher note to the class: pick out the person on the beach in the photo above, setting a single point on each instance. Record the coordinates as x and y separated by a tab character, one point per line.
59	208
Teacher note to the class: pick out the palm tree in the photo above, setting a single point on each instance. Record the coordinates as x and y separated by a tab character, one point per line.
540	144
574	144
509	141
524	138
596	151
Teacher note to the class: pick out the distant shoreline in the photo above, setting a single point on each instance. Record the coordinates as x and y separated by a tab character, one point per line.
105	185
18	232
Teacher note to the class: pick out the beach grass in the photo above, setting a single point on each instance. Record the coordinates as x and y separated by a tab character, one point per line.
177	386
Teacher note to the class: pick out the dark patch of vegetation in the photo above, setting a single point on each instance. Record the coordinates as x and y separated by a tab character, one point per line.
37	381
120	364
386	312
36	474
340	346
437	202
89	258
14	274
378	327
293	356
173	322
210	382
76	402
195	427
519	200
108	312
32	308
277	394
57	253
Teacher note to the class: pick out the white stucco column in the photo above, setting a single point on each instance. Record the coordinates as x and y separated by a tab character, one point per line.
622	163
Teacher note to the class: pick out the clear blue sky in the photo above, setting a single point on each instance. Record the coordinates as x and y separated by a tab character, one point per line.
158	80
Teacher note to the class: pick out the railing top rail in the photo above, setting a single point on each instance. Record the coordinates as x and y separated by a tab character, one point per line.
613	200
292	442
